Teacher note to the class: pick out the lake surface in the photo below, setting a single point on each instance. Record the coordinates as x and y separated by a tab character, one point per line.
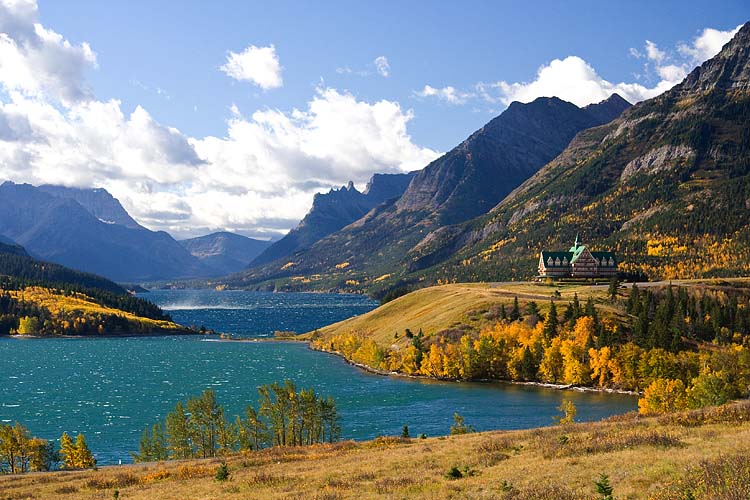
112	388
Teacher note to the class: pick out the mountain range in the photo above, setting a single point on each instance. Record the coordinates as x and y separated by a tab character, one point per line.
462	184
665	184
333	210
225	252
84	231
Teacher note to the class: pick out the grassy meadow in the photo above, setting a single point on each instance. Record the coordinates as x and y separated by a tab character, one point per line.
699	454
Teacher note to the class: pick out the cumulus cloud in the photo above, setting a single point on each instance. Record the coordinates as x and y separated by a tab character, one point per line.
707	44
382	65
259	178
258	65
447	94
37	61
575	80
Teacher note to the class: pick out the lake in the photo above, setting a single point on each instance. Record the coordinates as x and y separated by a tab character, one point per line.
112	388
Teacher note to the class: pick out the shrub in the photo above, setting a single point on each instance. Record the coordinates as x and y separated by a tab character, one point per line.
222	472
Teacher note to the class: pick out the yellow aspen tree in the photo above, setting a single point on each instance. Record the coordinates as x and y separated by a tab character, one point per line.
663	396
599	363
551	367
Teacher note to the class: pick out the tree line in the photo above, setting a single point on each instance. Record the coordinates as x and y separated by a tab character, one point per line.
29	312
664	339
199	428
20	452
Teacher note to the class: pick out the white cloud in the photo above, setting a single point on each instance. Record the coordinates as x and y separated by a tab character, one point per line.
707	44
571	79
258	65
447	94
37	61
653	52
575	80
259	179
381	64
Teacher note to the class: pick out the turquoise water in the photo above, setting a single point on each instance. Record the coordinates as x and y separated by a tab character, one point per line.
111	388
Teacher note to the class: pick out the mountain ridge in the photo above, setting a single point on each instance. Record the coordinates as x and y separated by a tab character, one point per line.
468	180
61	230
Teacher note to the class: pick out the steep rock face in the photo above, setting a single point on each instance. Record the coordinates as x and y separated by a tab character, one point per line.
98	202
333	210
61	230
224	252
666	185
473	177
463	183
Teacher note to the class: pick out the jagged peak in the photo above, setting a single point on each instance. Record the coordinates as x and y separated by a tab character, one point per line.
730	68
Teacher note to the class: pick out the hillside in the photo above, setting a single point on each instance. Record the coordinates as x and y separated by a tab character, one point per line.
461	307
41	298
57	228
700	455
462	184
224	252
666	186
333	210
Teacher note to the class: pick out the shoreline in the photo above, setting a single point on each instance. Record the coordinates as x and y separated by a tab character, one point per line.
543	385
106	335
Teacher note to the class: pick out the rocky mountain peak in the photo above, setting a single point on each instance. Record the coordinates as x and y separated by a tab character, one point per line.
729	69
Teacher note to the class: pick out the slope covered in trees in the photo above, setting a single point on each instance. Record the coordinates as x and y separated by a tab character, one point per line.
685	345
42	298
666	186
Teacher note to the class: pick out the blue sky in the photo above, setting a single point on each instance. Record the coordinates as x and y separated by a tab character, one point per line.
203	116
178	46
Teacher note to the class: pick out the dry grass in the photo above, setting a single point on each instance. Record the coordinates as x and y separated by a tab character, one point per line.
657	458
455	307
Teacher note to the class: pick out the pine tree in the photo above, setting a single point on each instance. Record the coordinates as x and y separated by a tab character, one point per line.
515	313
551	323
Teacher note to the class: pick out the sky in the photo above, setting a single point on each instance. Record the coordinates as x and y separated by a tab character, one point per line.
204	116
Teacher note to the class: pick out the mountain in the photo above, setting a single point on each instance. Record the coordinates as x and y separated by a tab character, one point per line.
464	183
666	186
8	246
333	210
224	252
61	230
98	202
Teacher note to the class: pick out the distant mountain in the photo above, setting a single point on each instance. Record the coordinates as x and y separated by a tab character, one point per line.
62	230
666	186
333	210
224	252
464	183
98	202
9	246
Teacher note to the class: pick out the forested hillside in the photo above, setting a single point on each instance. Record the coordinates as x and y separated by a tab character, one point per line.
666	186
41	298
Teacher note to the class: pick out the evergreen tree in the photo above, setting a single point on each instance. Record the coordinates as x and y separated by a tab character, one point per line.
551	323
515	313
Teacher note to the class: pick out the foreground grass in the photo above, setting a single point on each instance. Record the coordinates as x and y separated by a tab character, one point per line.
699	453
